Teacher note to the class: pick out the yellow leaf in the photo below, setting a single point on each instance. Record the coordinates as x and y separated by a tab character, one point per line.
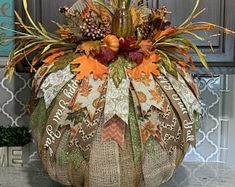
88	65
90	46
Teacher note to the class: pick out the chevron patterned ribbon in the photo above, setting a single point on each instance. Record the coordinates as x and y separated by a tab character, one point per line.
87	129
114	129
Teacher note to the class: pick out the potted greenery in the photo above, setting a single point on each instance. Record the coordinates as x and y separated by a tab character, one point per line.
13	145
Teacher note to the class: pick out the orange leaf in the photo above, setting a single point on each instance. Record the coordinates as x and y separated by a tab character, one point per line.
85	12
146	67
52	58
170	30
88	65
149	130
146	46
155	95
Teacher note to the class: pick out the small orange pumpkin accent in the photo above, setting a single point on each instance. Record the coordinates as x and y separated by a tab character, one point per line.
112	42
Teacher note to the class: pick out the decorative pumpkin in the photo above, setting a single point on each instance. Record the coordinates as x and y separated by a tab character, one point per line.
124	124
112	42
122	23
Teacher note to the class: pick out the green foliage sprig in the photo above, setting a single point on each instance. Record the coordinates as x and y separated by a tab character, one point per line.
14	136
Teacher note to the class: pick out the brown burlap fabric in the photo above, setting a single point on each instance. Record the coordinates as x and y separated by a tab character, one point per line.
110	164
61	167
104	167
78	176
131	172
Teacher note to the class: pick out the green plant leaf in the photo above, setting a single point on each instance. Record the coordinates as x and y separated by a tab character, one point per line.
47	48
31	20
191	15
14	136
117	70
62	62
195	48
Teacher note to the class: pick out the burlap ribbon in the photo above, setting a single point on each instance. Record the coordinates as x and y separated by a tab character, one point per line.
116	111
87	129
188	127
53	132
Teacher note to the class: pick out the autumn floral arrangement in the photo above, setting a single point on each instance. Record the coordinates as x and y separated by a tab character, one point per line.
116	104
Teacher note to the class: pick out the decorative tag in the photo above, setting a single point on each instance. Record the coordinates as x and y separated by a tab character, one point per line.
187	96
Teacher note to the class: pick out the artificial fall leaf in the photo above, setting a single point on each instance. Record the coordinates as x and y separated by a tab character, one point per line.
155	95
90	47
88	65
37	58
158	18
170	30
145	46
52	58
106	55
127	44
182	63
85	12
148	130
146	67
85	88
136	56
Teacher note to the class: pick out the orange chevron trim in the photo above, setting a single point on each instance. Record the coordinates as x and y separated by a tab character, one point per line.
114	131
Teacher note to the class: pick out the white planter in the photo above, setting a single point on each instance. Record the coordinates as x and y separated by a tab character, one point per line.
13	156
3	156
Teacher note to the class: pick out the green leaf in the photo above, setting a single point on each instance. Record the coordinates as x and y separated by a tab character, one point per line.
195	48
128	3
191	15
134	131
170	67
195	35
151	148
117	70
22	23
46	48
31	20
76	117
42	28
62	62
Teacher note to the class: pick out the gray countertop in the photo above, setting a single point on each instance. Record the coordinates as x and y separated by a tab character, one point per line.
189	174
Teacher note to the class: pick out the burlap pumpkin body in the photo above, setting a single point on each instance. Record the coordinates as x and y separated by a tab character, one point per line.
90	133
